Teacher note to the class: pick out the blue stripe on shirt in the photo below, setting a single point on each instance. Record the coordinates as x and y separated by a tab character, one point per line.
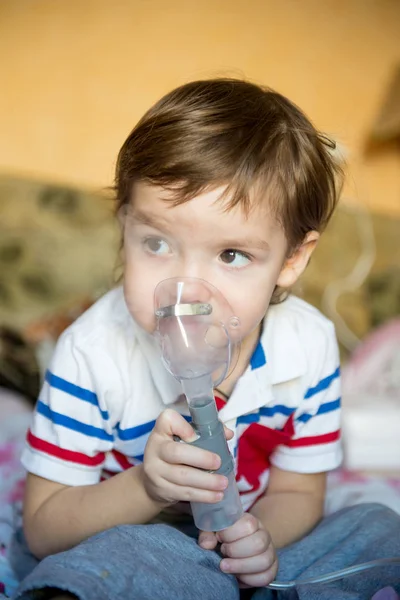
258	358
270	411
132	433
251	418
73	424
266	411
322	385
323	409
74	390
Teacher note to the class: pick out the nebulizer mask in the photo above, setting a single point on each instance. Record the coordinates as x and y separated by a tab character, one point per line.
199	338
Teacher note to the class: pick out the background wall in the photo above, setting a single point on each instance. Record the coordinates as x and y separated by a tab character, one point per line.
77	74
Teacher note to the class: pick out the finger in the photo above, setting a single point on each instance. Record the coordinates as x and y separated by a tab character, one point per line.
246	525
260	579
190	494
207	540
250	565
251	545
189	477
171	423
184	454
228	433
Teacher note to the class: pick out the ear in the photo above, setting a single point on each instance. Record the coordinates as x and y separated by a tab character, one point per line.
297	262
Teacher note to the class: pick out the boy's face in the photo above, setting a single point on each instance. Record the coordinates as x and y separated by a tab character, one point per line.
242	256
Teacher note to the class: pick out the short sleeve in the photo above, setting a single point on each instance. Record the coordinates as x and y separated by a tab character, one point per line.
71	430
314	445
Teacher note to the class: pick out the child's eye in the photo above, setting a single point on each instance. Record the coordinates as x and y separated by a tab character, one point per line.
156	245
234	258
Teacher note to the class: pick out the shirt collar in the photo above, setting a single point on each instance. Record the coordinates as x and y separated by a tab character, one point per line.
282	345
167	386
277	358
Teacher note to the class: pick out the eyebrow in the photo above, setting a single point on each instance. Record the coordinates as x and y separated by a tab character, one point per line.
148	219
243	244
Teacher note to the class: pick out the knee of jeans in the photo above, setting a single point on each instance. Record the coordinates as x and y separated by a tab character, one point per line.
375	511
149	531
153	536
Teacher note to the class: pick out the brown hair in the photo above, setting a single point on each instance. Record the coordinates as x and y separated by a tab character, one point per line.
231	132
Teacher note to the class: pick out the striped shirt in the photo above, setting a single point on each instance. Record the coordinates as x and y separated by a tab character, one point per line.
106	386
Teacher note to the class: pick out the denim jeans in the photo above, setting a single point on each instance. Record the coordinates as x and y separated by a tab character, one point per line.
149	562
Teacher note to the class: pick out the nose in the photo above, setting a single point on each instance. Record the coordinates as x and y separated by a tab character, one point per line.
193	290
195	272
190	267
193	268
182	290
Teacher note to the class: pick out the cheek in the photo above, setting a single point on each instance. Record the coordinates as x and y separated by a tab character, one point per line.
139	295
251	310
250	302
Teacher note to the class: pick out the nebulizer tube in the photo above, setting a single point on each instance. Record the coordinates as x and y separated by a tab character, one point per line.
211	436
335	575
199	339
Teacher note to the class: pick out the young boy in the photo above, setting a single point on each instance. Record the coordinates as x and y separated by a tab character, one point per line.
228	182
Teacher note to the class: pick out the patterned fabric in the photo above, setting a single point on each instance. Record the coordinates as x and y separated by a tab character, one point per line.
11	491
19	370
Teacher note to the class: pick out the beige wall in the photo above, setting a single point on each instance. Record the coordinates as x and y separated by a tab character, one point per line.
75	75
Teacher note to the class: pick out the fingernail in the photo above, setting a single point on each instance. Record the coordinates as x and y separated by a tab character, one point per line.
217	462
225	566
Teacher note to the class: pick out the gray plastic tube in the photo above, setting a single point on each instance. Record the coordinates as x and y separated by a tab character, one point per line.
223	514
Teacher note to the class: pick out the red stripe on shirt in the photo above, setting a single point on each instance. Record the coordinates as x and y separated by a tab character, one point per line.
220	402
67	455
314	440
122	460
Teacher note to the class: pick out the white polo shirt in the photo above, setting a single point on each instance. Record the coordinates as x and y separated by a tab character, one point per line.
106	386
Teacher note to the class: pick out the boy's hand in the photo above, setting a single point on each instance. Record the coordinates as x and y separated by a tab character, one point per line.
249	551
176	472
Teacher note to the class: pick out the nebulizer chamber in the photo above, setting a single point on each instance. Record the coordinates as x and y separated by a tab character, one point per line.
199	339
